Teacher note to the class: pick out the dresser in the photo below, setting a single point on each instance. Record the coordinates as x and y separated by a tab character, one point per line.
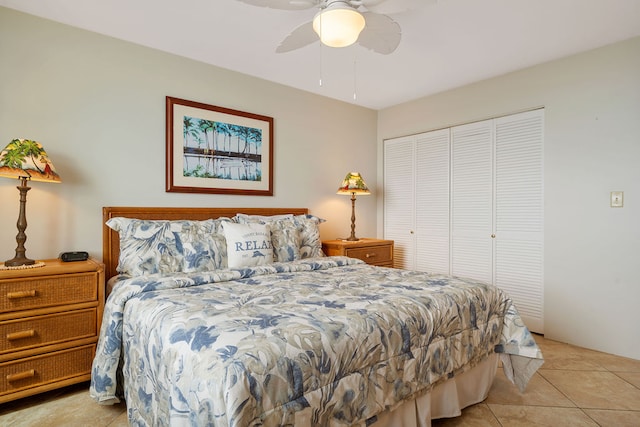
49	322
372	251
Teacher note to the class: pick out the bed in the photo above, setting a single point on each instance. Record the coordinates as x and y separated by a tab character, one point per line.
286	335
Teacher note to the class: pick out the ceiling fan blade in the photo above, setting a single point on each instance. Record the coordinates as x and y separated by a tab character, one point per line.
381	33
300	37
283	4
395	6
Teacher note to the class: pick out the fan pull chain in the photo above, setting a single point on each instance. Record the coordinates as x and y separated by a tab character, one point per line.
355	76
320	81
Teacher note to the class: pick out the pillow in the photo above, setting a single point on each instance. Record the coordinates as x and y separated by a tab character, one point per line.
248	244
307	239
204	247
285	239
146	247
163	246
310	243
244	218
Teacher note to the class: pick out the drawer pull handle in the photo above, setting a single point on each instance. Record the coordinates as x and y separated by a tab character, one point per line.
21	294
22	334
370	255
21	375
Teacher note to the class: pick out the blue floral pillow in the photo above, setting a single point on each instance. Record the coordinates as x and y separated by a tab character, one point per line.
162	246
310	243
147	247
244	218
285	238
204	247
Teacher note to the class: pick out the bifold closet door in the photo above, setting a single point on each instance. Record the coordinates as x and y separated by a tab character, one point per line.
472	201
497	208
399	199
519	216
432	202
416	200
468	201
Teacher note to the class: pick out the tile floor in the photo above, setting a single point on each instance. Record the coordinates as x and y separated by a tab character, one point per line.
575	387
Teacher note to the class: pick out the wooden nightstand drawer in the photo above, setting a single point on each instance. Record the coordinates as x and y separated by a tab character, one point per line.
371	254
35	292
45	369
38	331
372	251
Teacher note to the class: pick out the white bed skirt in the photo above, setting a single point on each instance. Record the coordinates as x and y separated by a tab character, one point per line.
446	400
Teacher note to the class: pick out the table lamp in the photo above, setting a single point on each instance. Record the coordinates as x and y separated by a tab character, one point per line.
353	184
25	160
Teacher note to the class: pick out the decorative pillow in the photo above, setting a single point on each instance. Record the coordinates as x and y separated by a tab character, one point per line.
147	247
307	239
285	236
310	243
204	247
285	239
248	244
163	246
244	218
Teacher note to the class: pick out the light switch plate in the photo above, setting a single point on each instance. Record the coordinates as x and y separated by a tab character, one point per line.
617	199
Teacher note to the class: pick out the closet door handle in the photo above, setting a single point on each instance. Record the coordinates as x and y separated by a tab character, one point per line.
493	236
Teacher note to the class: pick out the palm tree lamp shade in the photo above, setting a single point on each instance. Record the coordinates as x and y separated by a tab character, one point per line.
351	185
25	160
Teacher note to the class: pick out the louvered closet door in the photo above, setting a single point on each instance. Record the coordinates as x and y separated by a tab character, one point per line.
432	202
519	213
472	201
399	199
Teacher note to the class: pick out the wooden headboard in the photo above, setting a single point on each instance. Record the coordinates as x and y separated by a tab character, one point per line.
111	239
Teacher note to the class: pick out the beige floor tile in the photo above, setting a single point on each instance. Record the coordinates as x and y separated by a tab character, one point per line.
121	421
70	406
522	416
545	343
474	416
565	356
615	363
538	393
608	418
630	377
595	390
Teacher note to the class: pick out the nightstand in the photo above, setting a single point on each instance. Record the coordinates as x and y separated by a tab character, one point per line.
372	251
49	323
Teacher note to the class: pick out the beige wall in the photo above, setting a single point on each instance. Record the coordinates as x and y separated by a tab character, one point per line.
592	147
97	105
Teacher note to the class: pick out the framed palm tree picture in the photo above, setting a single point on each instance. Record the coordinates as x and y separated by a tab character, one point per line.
217	150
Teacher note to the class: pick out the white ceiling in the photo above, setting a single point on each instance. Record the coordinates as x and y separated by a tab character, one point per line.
445	43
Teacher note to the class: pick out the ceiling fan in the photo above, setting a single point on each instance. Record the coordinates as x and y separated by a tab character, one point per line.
341	23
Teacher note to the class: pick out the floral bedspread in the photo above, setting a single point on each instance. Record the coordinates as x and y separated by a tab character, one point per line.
319	341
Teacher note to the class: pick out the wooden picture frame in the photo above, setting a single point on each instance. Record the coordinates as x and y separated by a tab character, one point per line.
217	150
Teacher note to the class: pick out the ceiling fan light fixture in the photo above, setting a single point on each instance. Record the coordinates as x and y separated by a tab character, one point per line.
338	25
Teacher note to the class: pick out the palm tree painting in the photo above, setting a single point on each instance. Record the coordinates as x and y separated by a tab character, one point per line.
217	150
221	150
